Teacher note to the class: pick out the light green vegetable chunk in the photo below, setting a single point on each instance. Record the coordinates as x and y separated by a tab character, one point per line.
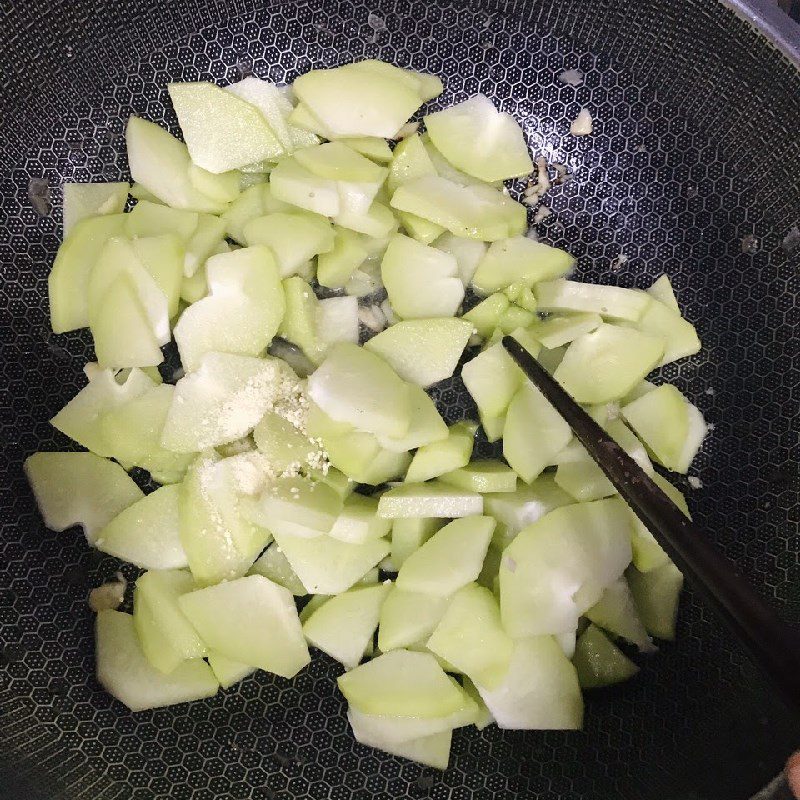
337	320
657	593
160	163
431	751
480	140
80	417
409	160
222	131
167	637
407	265
328	566
232	619
292	183
358	521
284	445
223	400
336	266
610	302
403	683
273	564
408	617
485	317
227	671
68	282
151	218
558	330
471	638
293	238
82	200
540	690
219	541
607	363
255	201
420	229
534	433
372	147
296	506
423	351
450	559
355	386
447	455
427	425
493	379
431	499
299	324
558	567
680	336
662	291
467	252
672	428
599	662
147	533
472	212
405	729
338	162
126	674
484	476
616	613
521	261
242	313
224	187
483	717
345	625
79	489
409	534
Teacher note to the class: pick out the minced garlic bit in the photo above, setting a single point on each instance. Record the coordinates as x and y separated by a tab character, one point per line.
582	124
572	77
109	596
695	482
541	212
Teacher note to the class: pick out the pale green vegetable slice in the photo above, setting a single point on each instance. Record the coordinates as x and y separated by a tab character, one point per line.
484	476
534	433
409	534
242	313
224	187
79	489
292	183
559	566
328	566
446	169
407	265
359	456
607	363
351	101
314	602
344	625
485	317
132	432
223	400
409	160
467	252
540	690
80	417
483	717
427	425
148	218
336	266
222	131
423	351
162	258
282	443
232	618
166	636
657	593
357	387
358	521
273	564
255	201
599	662
338	481
147	533
372	147
293	238
528	503
205	240
405	729
426	85
68	282
338	162
431	751
82	200
420	229
679	335
558	330
516	318
337	320
227	671
299	324
616	613
408	617
296	506
447	455
493	379
126	674
672	428
219	541
471	638
519	260
480	140
450	559
160	163
550	359
473	212
376	221
403	683
432	499
611	302
662	291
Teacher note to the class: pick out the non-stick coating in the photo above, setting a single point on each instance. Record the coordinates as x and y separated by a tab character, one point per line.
693	170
